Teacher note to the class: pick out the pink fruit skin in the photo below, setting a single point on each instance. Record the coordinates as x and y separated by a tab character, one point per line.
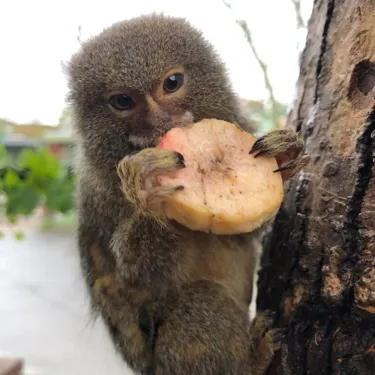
174	140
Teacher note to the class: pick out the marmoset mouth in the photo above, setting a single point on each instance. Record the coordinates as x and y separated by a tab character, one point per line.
152	137
142	141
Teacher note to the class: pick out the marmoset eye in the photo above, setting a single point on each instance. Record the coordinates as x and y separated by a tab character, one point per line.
173	83
121	102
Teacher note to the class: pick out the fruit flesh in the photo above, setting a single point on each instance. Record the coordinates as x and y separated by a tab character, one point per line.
226	190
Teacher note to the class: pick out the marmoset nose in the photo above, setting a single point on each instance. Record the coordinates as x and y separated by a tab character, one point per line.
157	118
155	115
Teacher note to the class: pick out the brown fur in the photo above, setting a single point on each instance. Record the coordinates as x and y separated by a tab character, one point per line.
174	301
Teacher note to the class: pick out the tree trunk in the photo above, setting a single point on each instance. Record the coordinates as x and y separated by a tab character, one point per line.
318	267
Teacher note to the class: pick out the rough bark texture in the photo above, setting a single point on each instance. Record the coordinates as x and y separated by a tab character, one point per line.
319	263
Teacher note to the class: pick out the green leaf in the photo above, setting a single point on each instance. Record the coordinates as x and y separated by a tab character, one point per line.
19	236
11	178
4	157
59	196
42	164
21	200
36	175
2	235
12	219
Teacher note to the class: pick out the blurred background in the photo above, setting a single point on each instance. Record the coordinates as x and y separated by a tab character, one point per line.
44	315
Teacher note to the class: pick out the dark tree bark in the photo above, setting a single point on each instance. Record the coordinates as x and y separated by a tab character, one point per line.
318	267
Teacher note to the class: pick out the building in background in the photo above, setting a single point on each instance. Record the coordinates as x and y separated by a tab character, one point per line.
58	139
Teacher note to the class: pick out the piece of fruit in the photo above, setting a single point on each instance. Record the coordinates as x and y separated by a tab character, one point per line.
226	190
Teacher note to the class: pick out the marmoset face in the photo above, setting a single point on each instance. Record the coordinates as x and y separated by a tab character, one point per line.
140	78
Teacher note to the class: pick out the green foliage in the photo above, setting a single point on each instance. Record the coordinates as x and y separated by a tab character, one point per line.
21	199
35	177
59	196
19	236
264	115
4	157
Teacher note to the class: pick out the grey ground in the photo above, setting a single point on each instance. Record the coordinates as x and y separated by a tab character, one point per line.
44	315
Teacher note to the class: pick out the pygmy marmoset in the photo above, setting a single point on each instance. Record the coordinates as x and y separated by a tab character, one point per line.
174	301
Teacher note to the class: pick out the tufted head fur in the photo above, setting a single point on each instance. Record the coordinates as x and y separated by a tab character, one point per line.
134	57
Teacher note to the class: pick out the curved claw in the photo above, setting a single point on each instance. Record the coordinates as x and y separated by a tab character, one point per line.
292	168
288	149
138	176
257	145
180	160
260	153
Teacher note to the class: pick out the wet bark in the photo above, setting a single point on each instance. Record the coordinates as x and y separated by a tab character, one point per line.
318	267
